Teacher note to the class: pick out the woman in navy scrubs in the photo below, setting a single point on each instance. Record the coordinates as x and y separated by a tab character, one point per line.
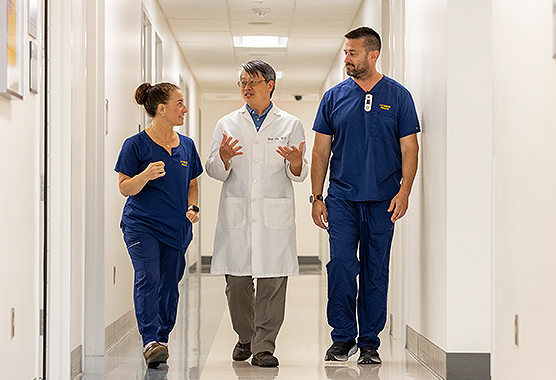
157	173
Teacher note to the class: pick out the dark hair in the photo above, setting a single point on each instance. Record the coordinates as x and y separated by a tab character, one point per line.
257	66
372	38
150	96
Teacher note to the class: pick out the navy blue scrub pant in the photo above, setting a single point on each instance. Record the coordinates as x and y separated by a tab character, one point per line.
367	226
158	270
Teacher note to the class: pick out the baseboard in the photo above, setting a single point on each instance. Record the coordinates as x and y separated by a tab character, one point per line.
119	329
76	362
447	365
307	264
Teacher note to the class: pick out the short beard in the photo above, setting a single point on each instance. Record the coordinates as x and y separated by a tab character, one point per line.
360	73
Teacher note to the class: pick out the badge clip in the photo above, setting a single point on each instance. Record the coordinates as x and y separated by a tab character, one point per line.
368	102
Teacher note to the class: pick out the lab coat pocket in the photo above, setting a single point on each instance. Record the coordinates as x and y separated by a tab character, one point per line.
232	214
271	157
278	213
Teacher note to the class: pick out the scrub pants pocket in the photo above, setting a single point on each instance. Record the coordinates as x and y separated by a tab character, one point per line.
158	270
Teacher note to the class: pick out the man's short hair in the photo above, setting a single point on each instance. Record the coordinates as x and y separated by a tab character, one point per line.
258	66
371	37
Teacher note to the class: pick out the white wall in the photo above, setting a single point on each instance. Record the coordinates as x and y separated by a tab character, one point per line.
20	224
452	90
425	41
469	176
524	133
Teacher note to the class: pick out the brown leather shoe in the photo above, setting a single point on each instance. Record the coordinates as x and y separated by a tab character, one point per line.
155	353
264	359
242	351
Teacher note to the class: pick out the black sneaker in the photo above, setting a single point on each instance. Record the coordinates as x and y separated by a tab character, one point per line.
368	355
340	351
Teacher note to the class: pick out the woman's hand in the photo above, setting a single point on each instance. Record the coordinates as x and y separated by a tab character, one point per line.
132	186
154	170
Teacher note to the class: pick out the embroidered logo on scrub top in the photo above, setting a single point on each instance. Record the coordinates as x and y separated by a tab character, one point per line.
183	163
384	107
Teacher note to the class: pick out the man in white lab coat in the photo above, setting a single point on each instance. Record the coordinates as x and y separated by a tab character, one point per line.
257	151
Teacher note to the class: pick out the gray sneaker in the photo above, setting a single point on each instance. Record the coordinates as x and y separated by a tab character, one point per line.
368	355
340	351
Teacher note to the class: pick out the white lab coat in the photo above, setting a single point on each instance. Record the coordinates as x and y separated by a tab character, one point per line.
255	232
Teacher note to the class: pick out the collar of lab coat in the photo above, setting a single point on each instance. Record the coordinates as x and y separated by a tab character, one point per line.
273	114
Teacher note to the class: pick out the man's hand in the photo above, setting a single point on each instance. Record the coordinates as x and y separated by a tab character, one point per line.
192	216
228	149
319	214
398	206
294	155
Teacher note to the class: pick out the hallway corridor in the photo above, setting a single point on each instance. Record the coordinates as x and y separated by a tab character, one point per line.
202	342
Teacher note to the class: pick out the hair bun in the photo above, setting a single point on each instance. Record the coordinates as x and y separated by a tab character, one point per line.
142	93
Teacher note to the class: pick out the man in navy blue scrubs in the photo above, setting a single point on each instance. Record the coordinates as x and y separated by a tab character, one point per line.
366	129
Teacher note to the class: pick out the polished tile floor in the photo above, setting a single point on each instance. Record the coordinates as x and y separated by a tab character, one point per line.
202	342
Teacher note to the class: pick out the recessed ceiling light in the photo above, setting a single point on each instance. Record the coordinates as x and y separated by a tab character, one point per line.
261	12
261	41
260	23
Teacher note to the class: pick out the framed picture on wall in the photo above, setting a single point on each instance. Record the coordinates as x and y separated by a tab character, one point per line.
11	46
32	23
554	29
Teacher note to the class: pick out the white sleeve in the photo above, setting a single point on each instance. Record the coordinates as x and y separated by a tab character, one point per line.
297	136
215	166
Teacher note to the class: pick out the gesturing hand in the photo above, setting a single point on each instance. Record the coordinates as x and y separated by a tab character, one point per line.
228	149
154	170
294	155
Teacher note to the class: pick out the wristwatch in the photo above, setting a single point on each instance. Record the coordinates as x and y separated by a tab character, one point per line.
193	208
313	197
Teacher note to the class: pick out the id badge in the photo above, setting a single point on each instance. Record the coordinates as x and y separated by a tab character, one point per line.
368	102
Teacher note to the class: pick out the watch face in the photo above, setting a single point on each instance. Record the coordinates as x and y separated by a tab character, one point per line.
313	198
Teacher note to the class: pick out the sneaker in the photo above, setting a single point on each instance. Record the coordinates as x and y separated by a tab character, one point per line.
264	359
340	351
242	351
154	354
368	355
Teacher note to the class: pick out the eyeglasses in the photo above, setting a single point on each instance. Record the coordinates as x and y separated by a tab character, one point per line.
251	83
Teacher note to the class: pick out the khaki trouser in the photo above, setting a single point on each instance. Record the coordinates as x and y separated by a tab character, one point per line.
257	318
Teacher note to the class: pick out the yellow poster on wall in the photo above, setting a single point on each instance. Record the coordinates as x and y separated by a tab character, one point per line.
12	33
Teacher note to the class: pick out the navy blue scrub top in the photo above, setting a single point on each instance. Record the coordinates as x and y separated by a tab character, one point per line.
366	162
160	207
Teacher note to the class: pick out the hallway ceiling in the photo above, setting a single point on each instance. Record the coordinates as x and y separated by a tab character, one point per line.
204	29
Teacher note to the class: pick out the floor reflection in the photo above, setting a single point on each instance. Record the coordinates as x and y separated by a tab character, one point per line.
367	372
202	342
